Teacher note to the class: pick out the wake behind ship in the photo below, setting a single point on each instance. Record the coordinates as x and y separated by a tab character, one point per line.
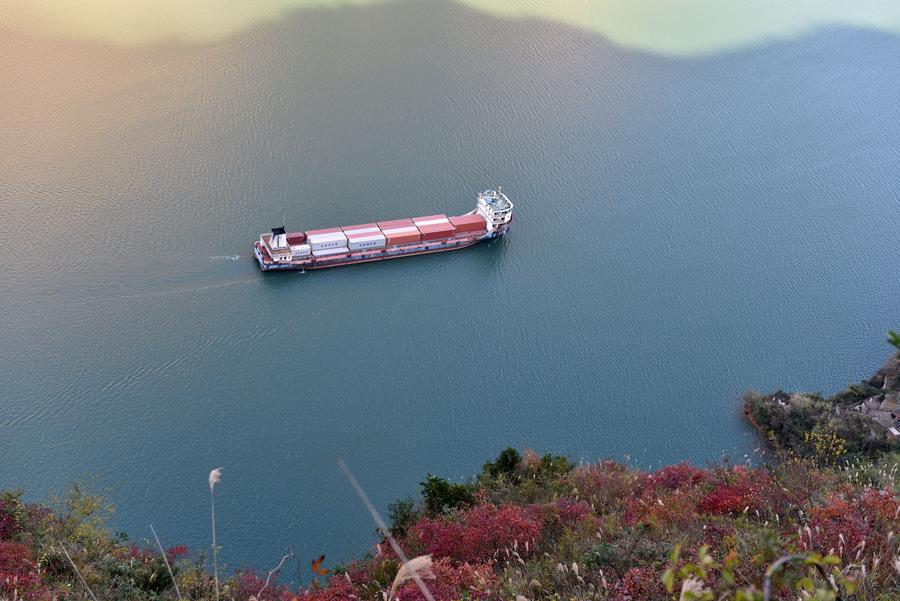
367	242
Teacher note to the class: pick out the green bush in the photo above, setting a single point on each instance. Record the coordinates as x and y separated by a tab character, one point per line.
506	464
440	495
402	514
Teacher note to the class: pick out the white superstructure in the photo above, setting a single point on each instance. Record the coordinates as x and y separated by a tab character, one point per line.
496	209
276	245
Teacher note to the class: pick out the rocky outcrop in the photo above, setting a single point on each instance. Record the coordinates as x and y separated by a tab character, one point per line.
866	416
888	377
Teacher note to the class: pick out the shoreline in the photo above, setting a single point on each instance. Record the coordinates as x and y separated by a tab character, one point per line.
861	421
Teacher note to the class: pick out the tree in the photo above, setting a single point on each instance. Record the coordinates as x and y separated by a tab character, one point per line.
439	494
402	514
894	338
507	463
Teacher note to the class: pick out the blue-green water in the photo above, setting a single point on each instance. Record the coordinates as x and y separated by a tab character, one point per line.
688	227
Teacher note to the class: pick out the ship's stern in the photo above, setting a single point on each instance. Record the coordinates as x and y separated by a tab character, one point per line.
497	210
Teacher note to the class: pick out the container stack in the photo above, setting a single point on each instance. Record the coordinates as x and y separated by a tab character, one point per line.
300	250
330	252
399	231
327	242
434	227
297	242
364	237
468	224
326	239
333	242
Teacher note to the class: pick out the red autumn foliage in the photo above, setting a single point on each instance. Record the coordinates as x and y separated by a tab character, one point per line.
9	527
562	513
338	589
836	526
713	533
639	584
607	484
18	570
478	533
880	508
676	476
248	583
363	571
570	511
668	496
743	489
452	581
674	508
177	551
728	498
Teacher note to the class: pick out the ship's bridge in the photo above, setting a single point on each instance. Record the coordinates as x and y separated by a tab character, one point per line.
496	208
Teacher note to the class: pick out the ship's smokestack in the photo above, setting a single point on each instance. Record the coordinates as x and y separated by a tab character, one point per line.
279	238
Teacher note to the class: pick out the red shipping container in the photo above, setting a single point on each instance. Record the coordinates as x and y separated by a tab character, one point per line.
468	223
437	231
330	230
295	238
469	234
362	226
395	223
403	238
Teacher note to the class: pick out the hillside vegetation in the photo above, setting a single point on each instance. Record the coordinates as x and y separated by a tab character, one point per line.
823	522
529	527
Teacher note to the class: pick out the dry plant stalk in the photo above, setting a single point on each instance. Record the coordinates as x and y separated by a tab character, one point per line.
214	477
385	531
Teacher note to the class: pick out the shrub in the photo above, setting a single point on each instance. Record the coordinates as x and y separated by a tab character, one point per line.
479	533
19	573
729	498
676	476
177	552
552	466
247	583
570	511
339	589
439	495
506	464
742	490
640	584
894	339
603	555
10	514
606	485
402	514
144	571
83	514
836	528
453	582
880	508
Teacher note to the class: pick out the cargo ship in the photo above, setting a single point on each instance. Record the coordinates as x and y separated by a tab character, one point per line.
367	242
